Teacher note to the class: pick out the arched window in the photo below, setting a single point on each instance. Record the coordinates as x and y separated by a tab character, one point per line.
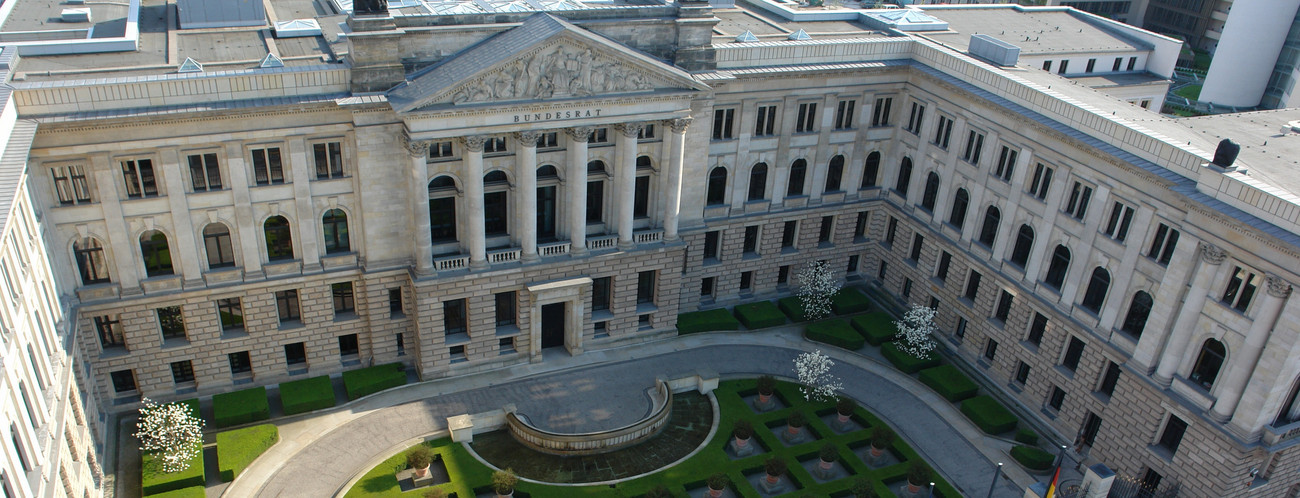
216	240
279	239
797	171
989	231
549	171
1097	287
758	182
335	223
931	193
1058	267
871	170
1024	244
1208	363
91	262
496	219
834	173
1138	311
442	208
957	217
717	192
157	259
904	177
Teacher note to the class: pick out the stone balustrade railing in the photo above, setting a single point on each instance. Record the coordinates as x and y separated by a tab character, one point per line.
555	249
596	442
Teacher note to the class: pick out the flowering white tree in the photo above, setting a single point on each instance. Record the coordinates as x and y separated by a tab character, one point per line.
915	331
815	379
170	433
818	283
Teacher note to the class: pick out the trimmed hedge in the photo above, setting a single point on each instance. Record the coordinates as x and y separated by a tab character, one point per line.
949	382
301	396
792	308
238	448
1027	436
989	415
706	321
876	328
834	332
154	481
760	315
190	492
367	381
850	301
1032	458
906	362
240	407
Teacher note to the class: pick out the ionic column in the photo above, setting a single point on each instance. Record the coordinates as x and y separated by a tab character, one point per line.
676	158
577	181
625	179
1181	332
418	192
474	196
526	172
1243	363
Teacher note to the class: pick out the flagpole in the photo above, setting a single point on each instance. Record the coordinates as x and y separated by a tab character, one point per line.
996	473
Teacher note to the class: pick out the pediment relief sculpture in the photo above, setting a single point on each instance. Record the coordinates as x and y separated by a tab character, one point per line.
556	71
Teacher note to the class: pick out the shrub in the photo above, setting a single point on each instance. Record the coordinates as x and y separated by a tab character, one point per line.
706	321
876	328
796	420
742	429
766	384
154	481
1032	458
240	407
792	308
919	473
301	396
862	488
719	481
420	457
989	415
760	315
367	381
905	362
238	448
850	301
949	382
190	492
504	481
828	453
834	332
882	437
774	466
1027	436
845	405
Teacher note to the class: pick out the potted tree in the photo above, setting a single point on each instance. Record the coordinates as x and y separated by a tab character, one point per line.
862	488
419	459
775	468
918	475
794	426
881	438
503	482
844	407
742	431
766	386
717	483
828	454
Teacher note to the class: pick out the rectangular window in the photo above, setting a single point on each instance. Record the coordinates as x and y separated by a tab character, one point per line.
1109	380
109	329
645	287
974	147
600	136
140	180
907	289
916	118
457	354
329	159
205	174
1006	163
1162	246
751	240
1022	373
918	242
70	184
722	123
348	346
171	322
711	243
267	168
295	354
240	363
853	264
497	145
1073	353
1057	398
1047	65
1119	61
1003	310
884	267
595	200
844	114
941	270
440	151
860	226
551	140
943	132
788	233
123	381
1042	181
506	345
891	231
960	331
766	125
1132	63
231	312
990	349
641	197
454	320
395	301
783	275
1065	65
600	293
1092	64
182	372
706	286
1077	205
1036	329
344	301
1172	436
1241	288
286	305
1121	217
746	281
505	305
972	285
826	229
401	344
806	121
880	114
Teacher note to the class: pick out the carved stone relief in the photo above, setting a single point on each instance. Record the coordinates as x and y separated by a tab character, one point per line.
556	71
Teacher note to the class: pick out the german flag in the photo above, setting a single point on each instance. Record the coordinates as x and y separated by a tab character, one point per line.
1051	488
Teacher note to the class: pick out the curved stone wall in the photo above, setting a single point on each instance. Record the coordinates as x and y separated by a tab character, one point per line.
596	442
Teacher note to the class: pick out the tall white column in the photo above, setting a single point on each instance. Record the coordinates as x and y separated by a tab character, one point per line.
625	179
577	183
474	200
418	193
1181	332
1243	363
676	158
526	172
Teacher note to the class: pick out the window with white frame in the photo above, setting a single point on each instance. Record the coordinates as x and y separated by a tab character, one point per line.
139	177
943	132
844	114
205	172
1006	163
328	158
70	184
806	120
915	118
1041	182
1241	289
974	147
268	169
1077	204
1121	218
765	126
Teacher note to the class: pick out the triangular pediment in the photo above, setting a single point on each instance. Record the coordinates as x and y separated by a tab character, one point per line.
544	58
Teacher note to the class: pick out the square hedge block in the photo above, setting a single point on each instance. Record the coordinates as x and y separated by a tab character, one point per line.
989	415
949	382
154	481
240	407
850	301
706	321
906	362
366	381
834	332
793	308
760	315
876	328
302	396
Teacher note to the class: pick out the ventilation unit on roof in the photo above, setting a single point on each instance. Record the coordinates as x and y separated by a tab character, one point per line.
75	15
196	14
994	50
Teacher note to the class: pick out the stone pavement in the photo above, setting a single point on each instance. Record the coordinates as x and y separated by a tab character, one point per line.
319	454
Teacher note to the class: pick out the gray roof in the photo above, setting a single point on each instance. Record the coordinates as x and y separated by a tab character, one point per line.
1036	32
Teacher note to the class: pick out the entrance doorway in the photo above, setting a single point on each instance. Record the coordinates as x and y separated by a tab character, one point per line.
552	325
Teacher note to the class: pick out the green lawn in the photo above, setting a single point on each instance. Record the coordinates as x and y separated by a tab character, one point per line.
238	448
469	475
1190	92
